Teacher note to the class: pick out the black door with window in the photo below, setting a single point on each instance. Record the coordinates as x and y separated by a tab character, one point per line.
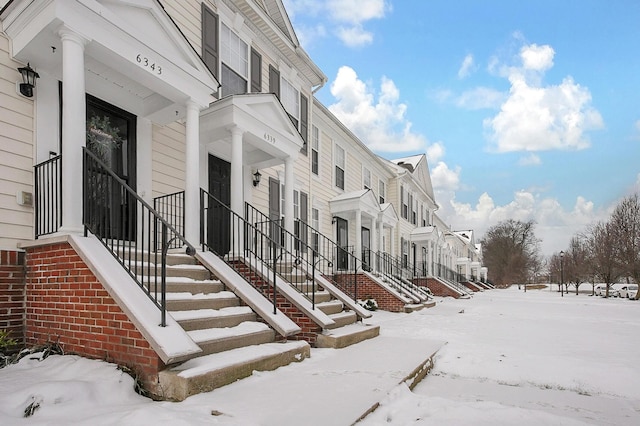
111	136
218	216
342	233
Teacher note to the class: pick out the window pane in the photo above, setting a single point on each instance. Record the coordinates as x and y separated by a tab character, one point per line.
290	98
232	83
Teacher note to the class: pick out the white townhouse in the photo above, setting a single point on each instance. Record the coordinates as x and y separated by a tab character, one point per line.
166	172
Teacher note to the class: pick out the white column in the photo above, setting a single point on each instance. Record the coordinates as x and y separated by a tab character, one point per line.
73	129
392	241
237	189
289	183
358	246
381	247
192	175
143	171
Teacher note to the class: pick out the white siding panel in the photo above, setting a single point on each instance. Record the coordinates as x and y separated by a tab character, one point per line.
168	159
16	153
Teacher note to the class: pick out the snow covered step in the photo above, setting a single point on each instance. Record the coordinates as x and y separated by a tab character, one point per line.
189	301
196	272
346	336
199	319
320	297
144	256
294	277
210	372
343	318
189	285
332	307
214	340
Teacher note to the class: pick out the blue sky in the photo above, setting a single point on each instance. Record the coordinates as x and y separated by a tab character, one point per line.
525	109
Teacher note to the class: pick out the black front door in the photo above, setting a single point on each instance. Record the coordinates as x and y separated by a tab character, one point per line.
111	136
342	230
218	216
366	249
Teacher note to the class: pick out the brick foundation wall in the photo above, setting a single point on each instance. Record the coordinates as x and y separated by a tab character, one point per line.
65	303
369	289
439	289
470	286
12	293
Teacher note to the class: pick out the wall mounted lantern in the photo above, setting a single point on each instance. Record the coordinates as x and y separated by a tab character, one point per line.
256	178
29	76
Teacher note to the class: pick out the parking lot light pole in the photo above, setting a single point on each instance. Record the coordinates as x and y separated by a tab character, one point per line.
561	272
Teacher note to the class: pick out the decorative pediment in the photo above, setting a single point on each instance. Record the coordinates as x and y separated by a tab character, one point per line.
362	200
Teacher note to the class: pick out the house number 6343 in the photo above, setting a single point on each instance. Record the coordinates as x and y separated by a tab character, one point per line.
145	62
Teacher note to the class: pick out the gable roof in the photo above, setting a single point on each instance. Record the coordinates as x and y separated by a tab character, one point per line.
417	167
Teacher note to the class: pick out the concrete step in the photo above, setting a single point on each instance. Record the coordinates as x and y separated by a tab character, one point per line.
348	335
176	258
294	277
343	318
200	319
189	301
188	285
195	272
210	372
320	297
331	307
215	340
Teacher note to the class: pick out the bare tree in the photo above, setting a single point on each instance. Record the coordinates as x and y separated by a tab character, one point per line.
509	251
555	269
576	262
626	225
603	253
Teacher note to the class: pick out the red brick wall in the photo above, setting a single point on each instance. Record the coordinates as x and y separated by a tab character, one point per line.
369	289
439	289
470	286
66	303
12	296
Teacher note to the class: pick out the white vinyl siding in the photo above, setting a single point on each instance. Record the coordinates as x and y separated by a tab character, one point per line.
16	154
366	178
168	158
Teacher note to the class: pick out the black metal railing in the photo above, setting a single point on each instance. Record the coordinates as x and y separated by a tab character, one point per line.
398	274
171	208
47	200
340	264
126	225
452	277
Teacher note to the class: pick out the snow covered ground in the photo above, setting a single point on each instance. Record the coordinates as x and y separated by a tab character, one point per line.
511	357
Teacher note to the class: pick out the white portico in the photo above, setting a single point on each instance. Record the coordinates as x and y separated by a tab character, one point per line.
127	53
250	131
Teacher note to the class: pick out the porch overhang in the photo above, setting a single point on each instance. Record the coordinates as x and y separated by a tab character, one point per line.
425	234
388	215
134	52
349	203
269	136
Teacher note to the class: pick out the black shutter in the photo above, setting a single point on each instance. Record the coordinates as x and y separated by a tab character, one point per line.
210	40
274	81
256	72
304	122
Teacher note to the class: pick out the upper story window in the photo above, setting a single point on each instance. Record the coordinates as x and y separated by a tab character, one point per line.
315	224
290	98
234	57
315	150
403	202
366	178
381	191
414	212
339	161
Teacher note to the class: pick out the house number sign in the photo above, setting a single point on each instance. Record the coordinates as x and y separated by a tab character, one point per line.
269	138
146	63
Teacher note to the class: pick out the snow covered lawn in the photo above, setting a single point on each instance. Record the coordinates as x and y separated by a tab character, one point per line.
511	358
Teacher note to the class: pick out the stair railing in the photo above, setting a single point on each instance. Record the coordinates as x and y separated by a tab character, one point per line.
171	208
125	224
47	200
395	273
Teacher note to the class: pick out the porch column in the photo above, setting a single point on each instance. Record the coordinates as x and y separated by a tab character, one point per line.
74	112
381	247
289	183
237	190
358	246
392	241
192	175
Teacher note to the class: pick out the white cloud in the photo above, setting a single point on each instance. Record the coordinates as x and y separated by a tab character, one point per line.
445	179
354	36
530	160
344	18
536	117
554	225
481	98
380	123
435	152
467	66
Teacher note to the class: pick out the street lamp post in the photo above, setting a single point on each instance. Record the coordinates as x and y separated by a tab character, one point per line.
561	273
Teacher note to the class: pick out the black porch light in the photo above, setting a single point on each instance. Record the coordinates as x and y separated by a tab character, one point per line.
256	178
29	76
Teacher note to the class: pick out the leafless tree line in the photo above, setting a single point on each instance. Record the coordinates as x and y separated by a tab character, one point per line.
606	252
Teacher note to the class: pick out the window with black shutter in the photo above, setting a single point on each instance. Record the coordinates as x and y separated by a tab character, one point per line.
256	72
304	122
274	81
210	49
